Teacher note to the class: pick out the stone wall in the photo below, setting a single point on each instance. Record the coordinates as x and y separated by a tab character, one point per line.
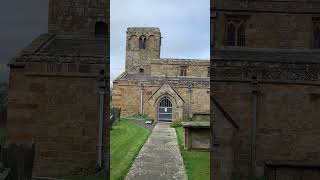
171	67
126	95
76	17
58	111
278	52
224	159
270	24
287	126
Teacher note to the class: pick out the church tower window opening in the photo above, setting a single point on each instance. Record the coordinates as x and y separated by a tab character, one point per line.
142	42
183	70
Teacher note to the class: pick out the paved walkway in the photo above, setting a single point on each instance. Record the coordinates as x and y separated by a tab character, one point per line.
159	158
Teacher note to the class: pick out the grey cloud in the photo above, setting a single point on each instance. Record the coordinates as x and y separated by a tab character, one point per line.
184	24
21	22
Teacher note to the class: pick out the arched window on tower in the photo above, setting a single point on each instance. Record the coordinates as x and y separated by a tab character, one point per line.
101	29
142	42
183	70
316	33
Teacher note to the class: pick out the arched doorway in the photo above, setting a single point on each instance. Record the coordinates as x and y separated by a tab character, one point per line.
165	110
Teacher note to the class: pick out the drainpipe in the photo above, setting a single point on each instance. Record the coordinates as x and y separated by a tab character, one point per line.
141	99
101	87
254	92
190	90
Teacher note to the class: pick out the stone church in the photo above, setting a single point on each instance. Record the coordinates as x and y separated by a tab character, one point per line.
165	89
265	82
53	92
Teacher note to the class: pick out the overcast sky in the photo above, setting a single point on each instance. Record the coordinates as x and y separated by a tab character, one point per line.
184	26
21	22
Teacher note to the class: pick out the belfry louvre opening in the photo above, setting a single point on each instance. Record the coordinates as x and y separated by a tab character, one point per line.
165	110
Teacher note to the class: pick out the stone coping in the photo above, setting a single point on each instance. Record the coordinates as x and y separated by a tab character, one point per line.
171	61
296	164
201	113
145	77
267	55
84	75
22	60
196	124
129	29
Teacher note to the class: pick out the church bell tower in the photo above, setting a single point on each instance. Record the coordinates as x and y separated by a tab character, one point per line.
75	17
143	45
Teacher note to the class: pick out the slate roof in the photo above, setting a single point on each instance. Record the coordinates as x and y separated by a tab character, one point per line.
268	55
49	44
70	46
50	47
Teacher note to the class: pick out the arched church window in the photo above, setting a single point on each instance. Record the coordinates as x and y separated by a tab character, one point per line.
142	42
241	35
316	32
183	70
236	31
231	31
101	29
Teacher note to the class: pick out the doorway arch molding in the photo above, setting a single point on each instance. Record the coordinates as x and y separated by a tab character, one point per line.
166	91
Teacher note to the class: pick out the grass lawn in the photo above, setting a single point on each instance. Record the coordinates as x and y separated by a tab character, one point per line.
140	117
197	162
127	139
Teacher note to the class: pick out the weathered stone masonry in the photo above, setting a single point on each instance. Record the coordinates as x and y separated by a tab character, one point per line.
279	51
53	95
